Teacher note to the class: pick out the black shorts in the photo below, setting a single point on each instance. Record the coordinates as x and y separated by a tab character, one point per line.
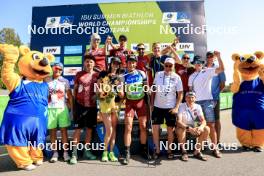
217	110
85	116
159	114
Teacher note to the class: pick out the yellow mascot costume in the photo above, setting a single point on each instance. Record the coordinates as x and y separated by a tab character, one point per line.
248	100
24	124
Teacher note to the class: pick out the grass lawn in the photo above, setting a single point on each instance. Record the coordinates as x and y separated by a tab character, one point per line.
3	103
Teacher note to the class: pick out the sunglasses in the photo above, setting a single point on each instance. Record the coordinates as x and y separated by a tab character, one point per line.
168	66
186	58
140	49
210	56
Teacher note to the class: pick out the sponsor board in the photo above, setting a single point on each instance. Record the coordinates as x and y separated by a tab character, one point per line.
72	60
71	71
52	49
73	49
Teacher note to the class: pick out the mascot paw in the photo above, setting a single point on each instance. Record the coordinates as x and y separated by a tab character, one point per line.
29	167
10	52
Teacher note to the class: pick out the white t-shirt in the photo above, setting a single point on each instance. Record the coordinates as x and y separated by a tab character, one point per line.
57	92
201	83
167	86
190	115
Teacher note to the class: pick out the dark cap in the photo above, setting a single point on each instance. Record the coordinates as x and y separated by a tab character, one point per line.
122	37
115	59
197	60
57	64
190	94
209	54
132	58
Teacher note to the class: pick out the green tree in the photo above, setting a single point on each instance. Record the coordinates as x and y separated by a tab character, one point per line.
8	36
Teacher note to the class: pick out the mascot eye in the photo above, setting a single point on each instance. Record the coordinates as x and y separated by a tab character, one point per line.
253	58
35	56
242	59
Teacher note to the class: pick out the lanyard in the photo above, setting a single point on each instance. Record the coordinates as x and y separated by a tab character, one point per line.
167	90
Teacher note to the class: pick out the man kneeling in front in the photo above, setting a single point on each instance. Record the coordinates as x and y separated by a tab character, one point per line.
191	121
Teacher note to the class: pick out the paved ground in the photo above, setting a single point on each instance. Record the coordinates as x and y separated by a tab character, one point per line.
233	163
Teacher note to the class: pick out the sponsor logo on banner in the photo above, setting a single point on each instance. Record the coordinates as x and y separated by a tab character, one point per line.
71	71
176	17
134	47
52	49
61	21
73	49
52	22
180	46
185	46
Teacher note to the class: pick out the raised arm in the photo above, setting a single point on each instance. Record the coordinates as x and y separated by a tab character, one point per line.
10	56
221	67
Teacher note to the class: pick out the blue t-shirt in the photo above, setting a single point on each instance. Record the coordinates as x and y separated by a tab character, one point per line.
157	64
216	85
25	117
250	96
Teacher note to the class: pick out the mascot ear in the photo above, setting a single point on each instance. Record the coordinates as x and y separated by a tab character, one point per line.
235	57
259	54
50	57
24	50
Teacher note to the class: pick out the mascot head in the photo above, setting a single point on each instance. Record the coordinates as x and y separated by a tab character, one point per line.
33	64
248	65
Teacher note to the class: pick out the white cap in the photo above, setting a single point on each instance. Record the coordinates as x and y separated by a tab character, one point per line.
169	60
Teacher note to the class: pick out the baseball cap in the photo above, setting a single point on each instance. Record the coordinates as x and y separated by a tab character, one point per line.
115	59
169	60
132	58
190	94
197	60
58	65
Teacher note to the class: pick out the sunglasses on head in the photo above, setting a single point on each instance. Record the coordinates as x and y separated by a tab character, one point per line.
168	66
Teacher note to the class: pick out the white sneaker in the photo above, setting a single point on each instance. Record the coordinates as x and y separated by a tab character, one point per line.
66	156
38	163
29	167
54	157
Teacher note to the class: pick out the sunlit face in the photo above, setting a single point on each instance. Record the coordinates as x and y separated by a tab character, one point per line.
88	64
141	50
96	42
131	65
57	71
115	65
156	49
190	99
168	67
198	66
210	59
185	59
122	42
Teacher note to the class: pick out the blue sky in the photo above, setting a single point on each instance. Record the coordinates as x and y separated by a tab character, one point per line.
246	17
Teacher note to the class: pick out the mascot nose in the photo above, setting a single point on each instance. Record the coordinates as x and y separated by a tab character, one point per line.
250	61
44	62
